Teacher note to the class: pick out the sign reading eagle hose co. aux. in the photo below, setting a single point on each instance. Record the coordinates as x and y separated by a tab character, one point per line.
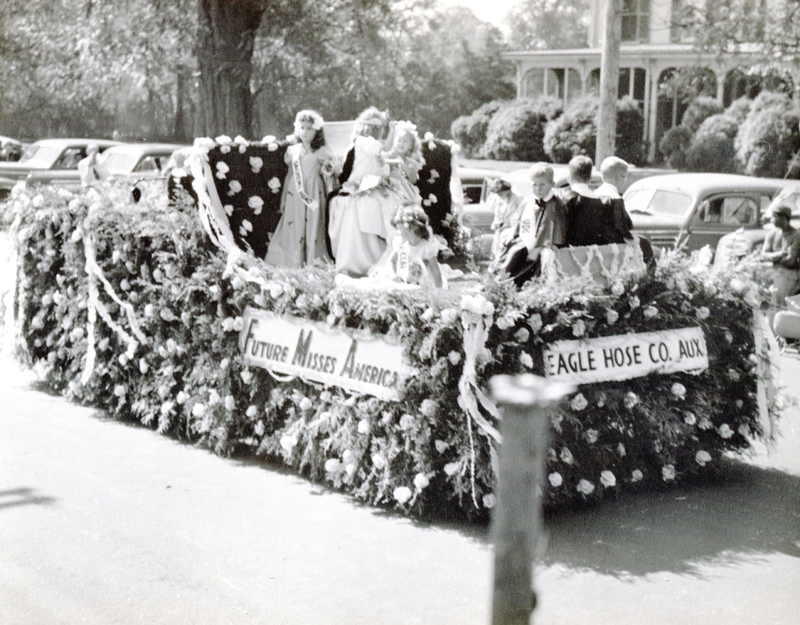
359	362
626	356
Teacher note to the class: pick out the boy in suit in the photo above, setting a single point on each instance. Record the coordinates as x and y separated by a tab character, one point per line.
542	223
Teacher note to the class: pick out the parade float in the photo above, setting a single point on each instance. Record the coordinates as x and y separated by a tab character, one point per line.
148	312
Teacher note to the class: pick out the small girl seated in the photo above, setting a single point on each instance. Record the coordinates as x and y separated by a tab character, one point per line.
405	160
413	259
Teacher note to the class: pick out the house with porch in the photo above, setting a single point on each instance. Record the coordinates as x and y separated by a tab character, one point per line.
653	47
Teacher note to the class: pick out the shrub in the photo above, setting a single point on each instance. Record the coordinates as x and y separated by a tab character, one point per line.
673	146
516	131
701	108
630	130
712	148
574	132
769	136
739	109
470	130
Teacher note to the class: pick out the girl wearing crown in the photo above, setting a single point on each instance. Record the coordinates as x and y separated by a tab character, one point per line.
361	215
300	235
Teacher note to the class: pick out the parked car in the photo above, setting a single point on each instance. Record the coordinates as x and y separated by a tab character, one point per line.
47	155
133	162
743	241
695	210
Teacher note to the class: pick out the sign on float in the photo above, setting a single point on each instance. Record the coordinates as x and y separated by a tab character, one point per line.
626	356
359	361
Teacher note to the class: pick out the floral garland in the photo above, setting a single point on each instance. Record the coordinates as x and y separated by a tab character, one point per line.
429	453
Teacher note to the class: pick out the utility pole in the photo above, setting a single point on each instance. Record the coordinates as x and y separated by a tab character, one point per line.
609	83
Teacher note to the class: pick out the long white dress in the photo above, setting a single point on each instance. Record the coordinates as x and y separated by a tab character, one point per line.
299	237
360	222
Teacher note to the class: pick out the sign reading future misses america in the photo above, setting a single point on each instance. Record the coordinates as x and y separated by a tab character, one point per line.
313	351
626	356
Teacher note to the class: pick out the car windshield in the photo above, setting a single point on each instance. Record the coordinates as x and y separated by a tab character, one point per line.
119	162
658	201
40	156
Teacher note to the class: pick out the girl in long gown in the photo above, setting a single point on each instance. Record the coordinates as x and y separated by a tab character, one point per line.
300	235
405	160
361	215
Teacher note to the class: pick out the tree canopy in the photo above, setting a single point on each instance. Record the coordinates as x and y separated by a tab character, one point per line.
182	68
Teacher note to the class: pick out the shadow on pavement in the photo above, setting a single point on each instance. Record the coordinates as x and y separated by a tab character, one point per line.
740	514
22	497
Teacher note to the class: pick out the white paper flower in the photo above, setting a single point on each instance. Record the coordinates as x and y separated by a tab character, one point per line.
234	187
633	302
363	426
143	366
608	479
198	410
429	408
305	404
579	402
247	376
702	313
526	360
406	422
251	411
566	456
618	288
535	322
227	324
679	390
522	335
454	357
451	468
256	163
402	494
611	316
256	203
428	315
421	481
228	208
725	431
148	310
489	501
288	442
591	436
181	397
579	328
705	424
230	403
649	312
123	359
223	139
441	446
378	460
555	479
119	390
630	400
689	418
274	185
332	465
585	487
222	170
621	450
667	472
702	458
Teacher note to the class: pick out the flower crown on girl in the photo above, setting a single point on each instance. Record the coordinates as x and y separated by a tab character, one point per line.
308	115
414	218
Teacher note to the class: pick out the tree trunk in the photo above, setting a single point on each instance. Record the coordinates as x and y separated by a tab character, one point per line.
225	39
609	84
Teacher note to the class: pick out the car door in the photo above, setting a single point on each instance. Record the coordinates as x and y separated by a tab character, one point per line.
719	214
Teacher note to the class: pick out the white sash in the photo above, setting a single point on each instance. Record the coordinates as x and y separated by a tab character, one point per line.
404	262
298	181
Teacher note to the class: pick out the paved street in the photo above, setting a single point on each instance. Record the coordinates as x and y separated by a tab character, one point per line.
104	523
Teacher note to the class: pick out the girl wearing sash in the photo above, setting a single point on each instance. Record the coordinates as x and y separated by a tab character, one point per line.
413	259
299	237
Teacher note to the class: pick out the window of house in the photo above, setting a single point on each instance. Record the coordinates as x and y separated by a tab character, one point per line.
635	20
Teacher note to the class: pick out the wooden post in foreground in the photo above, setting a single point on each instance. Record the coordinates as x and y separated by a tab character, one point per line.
609	83
525	401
